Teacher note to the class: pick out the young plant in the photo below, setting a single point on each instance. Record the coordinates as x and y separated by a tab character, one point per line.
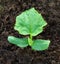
30	23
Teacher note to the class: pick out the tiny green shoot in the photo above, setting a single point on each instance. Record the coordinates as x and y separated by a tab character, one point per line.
31	23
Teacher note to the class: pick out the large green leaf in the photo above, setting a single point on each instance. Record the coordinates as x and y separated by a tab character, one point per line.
23	42
40	44
30	22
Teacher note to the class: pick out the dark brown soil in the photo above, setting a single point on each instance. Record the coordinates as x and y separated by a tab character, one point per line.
11	54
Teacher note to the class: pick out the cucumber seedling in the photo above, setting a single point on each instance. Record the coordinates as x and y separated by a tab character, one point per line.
31	23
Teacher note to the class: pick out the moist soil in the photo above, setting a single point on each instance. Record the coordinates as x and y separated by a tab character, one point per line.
11	54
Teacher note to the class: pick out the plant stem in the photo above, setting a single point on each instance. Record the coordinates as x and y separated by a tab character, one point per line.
31	37
30	40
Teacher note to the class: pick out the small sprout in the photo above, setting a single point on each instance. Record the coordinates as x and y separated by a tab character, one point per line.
30	23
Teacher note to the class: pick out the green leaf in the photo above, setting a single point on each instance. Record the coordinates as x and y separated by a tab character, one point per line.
40	44
23	42
30	22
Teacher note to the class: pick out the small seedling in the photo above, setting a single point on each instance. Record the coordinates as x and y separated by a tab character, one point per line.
30	23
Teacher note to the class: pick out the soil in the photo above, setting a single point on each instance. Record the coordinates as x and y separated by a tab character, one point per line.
11	54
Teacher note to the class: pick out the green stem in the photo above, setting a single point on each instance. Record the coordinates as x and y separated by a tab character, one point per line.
30	40
31	37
